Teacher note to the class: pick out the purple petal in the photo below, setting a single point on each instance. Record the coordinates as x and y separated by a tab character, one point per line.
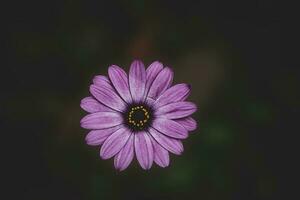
161	83
175	93
188	123
176	110
114	143
143	149
97	137
170	128
101	80
137	80
125	156
173	145
150	101
151	73
119	79
101	120
161	155
108	97
91	105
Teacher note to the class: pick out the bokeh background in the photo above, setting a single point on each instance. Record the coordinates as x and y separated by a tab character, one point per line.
229	51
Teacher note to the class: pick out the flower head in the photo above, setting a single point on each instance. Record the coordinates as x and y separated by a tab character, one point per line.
139	114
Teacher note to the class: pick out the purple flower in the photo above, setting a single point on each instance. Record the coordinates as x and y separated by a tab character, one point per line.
140	114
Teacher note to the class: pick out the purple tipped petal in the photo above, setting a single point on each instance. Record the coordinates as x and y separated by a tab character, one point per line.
170	128
119	79
97	137
175	93
125	156
161	155
151	73
101	120
108	97
137	80
188	123
161	83
173	145
176	110
114	143
101	81
143	149
91	105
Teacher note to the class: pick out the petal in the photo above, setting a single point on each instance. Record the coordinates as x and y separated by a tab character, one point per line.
173	145
175	93
150	101
188	123
119	80
97	137
143	149
114	143
151	73
101	80
125	156
170	128
108	97
176	110
161	83
137	80
161	155
91	105
101	120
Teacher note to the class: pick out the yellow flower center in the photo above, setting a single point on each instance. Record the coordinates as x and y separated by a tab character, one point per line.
138	117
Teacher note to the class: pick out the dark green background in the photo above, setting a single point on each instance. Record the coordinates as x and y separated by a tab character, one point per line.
229	51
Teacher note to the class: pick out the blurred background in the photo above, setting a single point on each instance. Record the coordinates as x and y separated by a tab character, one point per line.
229	51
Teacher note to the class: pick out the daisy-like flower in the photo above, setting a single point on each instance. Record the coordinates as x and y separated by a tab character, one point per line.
139	114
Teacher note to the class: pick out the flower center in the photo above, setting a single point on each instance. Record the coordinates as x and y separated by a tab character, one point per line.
138	117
